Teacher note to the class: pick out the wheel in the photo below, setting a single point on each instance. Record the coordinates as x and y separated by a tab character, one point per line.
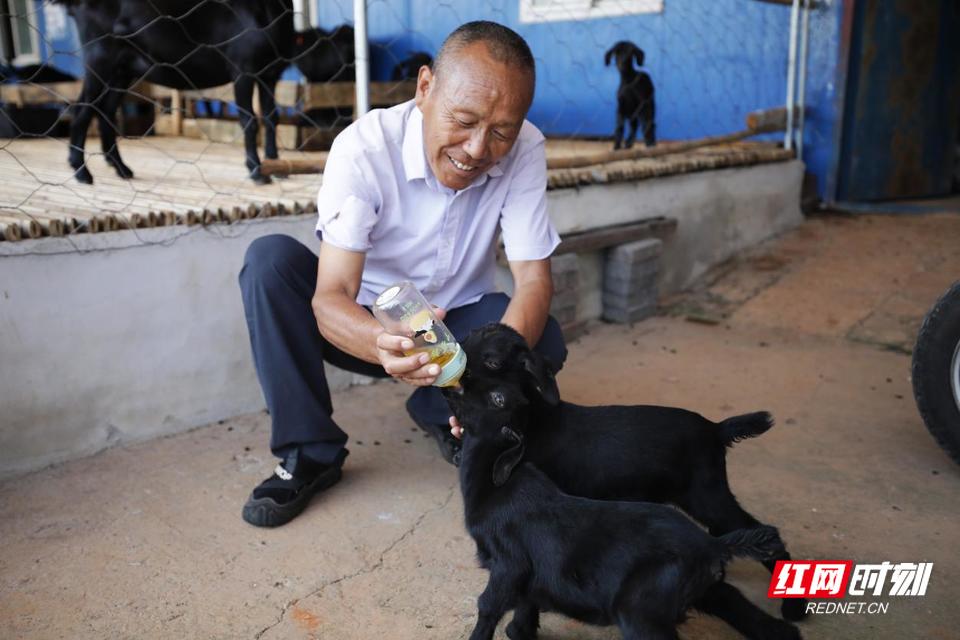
936	371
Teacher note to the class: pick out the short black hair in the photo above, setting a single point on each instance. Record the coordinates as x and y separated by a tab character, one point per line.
504	44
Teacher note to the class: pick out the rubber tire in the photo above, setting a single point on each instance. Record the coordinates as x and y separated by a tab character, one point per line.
933	356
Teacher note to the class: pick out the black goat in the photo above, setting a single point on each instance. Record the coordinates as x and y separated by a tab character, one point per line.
637	565
409	67
182	44
326	56
656	454
635	100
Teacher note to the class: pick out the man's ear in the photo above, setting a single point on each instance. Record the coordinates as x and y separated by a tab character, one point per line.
509	459
541	377
426	82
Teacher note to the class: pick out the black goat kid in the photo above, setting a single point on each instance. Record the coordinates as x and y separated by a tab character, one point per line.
635	101
656	454
181	44
637	565
409	67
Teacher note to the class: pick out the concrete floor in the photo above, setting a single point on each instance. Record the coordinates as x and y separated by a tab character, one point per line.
146	541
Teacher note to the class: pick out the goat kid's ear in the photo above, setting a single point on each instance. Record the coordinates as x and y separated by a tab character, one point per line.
509	459
607	56
544	381
638	56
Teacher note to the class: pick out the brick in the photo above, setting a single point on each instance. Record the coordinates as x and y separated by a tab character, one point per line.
636	251
566	272
624	316
627	270
629	286
565	315
573	330
568	298
637	296
628	305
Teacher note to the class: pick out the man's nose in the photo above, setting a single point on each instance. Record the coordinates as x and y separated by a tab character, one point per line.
476	145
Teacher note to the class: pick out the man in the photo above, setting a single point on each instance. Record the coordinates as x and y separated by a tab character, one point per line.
417	192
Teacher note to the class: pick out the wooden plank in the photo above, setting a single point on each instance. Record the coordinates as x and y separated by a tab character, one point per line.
53	92
329	94
604	237
391	93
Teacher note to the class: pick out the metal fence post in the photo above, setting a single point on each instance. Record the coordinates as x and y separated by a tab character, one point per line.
362	54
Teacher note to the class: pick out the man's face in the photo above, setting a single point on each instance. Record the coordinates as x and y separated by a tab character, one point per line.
472	113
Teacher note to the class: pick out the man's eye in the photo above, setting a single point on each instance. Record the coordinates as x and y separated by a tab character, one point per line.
499	135
463	123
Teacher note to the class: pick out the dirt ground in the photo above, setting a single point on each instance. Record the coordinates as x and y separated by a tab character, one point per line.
146	541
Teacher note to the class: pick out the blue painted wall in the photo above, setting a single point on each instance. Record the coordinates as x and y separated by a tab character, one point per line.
712	62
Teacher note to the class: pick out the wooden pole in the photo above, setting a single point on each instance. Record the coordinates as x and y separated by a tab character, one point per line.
10	228
766	121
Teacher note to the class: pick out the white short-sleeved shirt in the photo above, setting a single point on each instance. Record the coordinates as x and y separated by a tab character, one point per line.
380	197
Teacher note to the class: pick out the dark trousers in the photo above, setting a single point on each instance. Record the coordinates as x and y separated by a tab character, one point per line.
277	282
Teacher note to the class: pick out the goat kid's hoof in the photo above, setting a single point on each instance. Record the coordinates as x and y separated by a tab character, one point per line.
515	632
82	175
123	171
259	178
794	609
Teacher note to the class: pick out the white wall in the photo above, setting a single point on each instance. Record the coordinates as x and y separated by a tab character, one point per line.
123	336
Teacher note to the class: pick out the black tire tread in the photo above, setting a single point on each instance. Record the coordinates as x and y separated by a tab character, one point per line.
940	330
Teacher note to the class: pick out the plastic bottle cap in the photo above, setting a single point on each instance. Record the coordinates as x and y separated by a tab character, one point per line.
387	295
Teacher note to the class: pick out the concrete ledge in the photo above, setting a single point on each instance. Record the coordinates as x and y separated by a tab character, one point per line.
119	337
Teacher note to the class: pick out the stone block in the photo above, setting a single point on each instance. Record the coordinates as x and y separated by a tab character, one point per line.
625	315
638	251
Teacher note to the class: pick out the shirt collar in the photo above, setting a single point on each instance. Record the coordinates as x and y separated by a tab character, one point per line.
414	160
415	164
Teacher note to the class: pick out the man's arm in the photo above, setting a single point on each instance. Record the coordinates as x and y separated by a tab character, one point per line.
351	328
532	293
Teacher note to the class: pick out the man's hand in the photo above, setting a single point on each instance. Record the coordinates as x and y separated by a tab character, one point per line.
455	429
413	369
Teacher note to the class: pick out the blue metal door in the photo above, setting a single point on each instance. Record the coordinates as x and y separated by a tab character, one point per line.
902	108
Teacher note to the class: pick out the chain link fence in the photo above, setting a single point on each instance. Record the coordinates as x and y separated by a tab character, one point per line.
160	113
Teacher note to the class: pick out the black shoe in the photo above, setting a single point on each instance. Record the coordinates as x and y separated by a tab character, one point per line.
449	445
285	494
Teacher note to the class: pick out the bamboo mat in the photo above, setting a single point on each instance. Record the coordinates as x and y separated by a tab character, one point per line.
189	181
177	181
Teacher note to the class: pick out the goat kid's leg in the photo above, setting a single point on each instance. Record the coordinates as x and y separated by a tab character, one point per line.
638	627
108	133
618	132
526	621
632	136
270	115
726	602
83	111
243	94
499	596
719	510
648	121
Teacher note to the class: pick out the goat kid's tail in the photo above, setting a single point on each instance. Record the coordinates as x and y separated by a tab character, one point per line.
748	425
761	543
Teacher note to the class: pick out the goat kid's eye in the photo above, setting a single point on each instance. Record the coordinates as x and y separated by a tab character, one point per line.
497	399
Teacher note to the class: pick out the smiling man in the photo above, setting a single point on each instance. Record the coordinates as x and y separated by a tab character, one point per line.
418	192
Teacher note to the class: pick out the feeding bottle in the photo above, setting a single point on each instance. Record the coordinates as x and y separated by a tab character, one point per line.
403	311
